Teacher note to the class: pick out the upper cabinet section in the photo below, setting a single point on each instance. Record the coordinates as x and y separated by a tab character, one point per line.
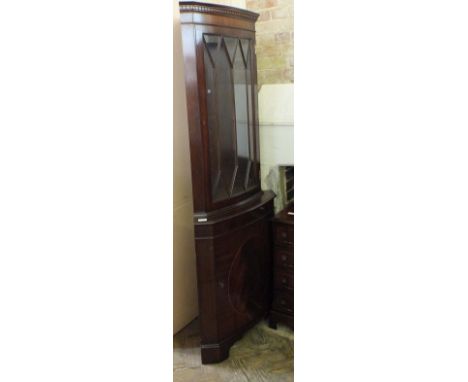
231	128
220	73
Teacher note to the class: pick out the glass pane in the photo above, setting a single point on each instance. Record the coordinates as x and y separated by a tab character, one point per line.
242	120
252	173
211	45
229	96
221	117
231	46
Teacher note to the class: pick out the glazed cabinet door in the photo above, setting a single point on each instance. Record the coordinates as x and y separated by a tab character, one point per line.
230	93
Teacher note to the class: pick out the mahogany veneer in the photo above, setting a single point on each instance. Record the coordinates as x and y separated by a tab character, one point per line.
231	212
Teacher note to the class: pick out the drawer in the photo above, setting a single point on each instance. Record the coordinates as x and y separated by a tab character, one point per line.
283	233
283	280
283	258
283	301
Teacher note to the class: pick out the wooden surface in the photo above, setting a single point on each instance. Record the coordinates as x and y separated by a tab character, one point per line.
234	277
283	268
262	354
220	22
231	213
184	287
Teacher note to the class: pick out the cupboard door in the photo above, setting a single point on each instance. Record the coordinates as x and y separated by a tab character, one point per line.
233	153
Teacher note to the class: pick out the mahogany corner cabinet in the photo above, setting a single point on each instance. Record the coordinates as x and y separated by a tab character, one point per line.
231	212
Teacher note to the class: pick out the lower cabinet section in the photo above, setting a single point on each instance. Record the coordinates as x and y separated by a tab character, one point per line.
234	263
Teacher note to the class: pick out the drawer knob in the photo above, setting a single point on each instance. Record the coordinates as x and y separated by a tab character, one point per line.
283	257
283	235
283	280
282	302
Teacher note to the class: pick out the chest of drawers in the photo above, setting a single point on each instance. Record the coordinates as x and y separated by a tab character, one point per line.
283	268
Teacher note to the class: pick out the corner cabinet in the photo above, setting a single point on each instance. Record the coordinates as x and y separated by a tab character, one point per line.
231	212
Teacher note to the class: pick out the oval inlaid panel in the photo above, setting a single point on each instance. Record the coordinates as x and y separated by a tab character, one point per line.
247	286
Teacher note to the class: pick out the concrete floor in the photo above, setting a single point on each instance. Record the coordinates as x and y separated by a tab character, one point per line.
263	354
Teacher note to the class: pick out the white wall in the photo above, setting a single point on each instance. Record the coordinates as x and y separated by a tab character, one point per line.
185	300
276	119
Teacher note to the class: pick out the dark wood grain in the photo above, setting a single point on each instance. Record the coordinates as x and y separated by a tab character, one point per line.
283	268
232	224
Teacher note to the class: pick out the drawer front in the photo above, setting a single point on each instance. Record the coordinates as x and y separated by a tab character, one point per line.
284	280
284	301
284	258
283	233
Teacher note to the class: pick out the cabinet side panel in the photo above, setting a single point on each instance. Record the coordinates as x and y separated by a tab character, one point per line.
189	43
185	307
